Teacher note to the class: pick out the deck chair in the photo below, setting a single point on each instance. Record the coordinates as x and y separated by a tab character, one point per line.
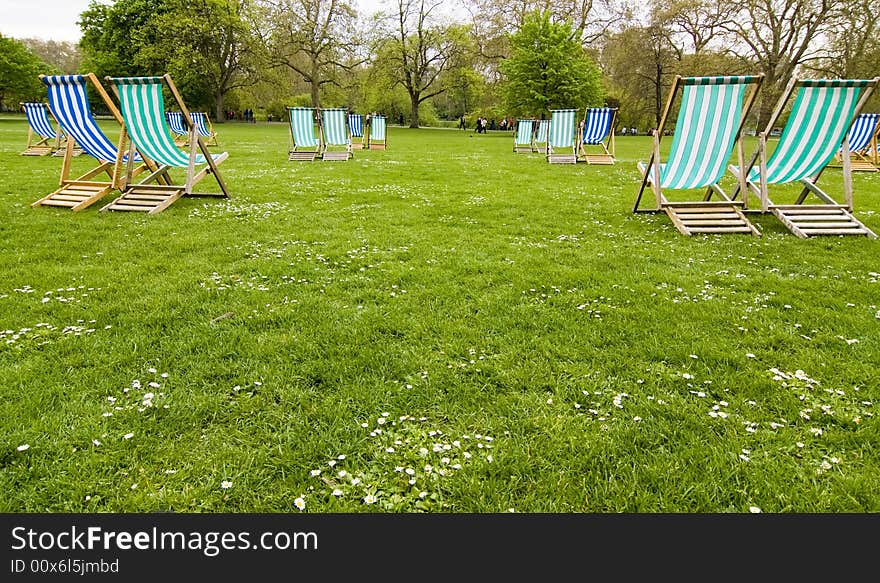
561	137
143	110
822	113
334	134
710	123
356	127
69	104
177	127
597	129
862	138
378	139
204	127
542	130
305	141
42	138
524	139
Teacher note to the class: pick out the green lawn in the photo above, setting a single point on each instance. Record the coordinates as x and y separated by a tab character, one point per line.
442	326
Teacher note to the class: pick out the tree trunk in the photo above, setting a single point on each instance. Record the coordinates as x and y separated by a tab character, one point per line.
316	94
219	114
414	120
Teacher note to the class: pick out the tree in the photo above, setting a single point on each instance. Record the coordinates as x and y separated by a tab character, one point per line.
215	49
422	50
777	37
640	64
19	73
313	38
63	56
208	46
548	69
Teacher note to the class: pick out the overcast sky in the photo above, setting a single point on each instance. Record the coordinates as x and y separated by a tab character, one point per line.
56	19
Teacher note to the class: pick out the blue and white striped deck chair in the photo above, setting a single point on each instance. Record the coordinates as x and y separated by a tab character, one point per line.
710	123
356	127
42	138
334	134
524	139
377	139
204	127
561	137
305	141
143	108
69	104
817	126
597	129
862	140
177	127
542	130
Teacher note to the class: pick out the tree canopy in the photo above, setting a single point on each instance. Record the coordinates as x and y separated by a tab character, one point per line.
19	73
548	68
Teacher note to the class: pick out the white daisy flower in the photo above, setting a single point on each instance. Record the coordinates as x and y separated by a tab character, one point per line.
300	503
369	499
226	484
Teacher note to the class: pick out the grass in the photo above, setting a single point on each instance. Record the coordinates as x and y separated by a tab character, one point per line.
509	324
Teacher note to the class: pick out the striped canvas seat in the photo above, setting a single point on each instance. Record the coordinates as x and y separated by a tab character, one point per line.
705	133
38	119
334	127
175	123
302	124
356	129
142	105
542	129
561	137
709	126
356	125
200	119
597	130
597	125
525	131
70	106
864	128
820	120
42	138
377	137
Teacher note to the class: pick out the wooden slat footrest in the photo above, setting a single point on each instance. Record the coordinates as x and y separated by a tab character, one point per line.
302	156
76	195
820	220
149	199
709	218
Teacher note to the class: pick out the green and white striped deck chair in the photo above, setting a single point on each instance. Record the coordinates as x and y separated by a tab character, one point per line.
563	124
817	128
334	134
542	130
524	140
143	109
710	123
378	138
305	141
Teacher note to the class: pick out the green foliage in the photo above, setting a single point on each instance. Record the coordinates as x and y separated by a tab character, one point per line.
205	45
19	74
548	69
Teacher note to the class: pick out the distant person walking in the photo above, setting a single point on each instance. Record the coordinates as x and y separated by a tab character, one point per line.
461	124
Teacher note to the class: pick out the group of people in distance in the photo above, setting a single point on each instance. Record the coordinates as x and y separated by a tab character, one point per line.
481	125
